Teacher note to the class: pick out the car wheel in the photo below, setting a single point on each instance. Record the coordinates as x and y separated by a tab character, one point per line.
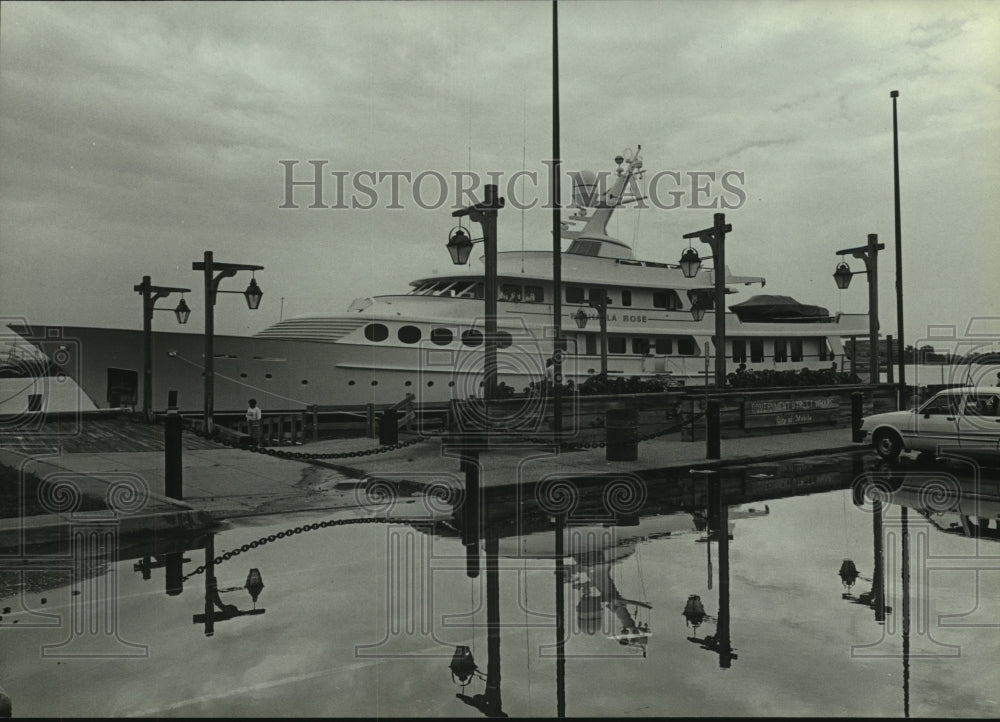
887	443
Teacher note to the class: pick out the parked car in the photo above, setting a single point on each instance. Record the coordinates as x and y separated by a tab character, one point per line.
966	419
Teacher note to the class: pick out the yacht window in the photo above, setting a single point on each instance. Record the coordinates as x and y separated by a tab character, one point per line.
510	292
534	294
584	248
796	349
780	350
702	297
664	346
408	334
685	346
376	332
756	350
595	293
591	341
442	336
472	337
822	348
640	346
739	350
465	290
626	298
667	299
504	339
574	294
616	344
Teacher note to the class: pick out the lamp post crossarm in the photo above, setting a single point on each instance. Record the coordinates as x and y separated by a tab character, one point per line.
862	252
162	291
480	211
200	266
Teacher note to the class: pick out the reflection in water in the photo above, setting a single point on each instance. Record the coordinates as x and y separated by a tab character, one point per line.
955	496
694	613
591	555
215	609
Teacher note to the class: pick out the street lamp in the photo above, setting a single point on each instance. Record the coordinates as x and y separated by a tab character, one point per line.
598	301
214	273
459	247
842	276
690	263
150	295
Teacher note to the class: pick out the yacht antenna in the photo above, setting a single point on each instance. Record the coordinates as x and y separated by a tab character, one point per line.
524	161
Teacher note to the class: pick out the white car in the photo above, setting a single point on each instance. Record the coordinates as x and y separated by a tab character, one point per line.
964	419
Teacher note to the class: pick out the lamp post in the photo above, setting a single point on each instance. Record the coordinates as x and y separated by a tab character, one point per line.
150	295
899	253
690	263
459	247
843	274
214	273
598	301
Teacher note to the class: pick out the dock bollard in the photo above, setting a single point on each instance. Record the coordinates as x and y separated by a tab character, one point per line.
622	435
388	430
857	405
174	573
173	449
713	430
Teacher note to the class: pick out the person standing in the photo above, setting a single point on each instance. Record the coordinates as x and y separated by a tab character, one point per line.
253	421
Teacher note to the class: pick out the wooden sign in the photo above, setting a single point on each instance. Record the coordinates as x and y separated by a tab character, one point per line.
790	412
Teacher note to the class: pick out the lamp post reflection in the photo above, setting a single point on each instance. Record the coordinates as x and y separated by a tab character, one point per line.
560	619
215	609
718	528
489	703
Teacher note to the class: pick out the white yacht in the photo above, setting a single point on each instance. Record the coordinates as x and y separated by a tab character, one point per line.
428	340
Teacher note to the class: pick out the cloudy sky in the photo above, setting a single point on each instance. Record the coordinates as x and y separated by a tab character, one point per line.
137	136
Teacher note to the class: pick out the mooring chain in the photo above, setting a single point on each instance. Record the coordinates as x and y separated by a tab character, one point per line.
226	556
292	455
582	445
282	454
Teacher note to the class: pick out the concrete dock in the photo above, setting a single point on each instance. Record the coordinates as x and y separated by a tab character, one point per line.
223	483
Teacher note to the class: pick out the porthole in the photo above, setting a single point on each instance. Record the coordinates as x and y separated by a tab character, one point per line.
374	383
376	332
442	336
243	376
267	376
350	383
304	382
504	339
408	383
408	334
472	337
430	383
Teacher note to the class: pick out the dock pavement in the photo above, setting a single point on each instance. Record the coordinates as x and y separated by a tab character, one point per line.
222	483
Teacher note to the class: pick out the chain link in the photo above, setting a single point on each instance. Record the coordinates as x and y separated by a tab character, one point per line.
292	455
283	454
226	556
582	445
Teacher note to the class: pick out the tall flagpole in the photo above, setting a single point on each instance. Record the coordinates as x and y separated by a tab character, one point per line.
899	252
554	171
